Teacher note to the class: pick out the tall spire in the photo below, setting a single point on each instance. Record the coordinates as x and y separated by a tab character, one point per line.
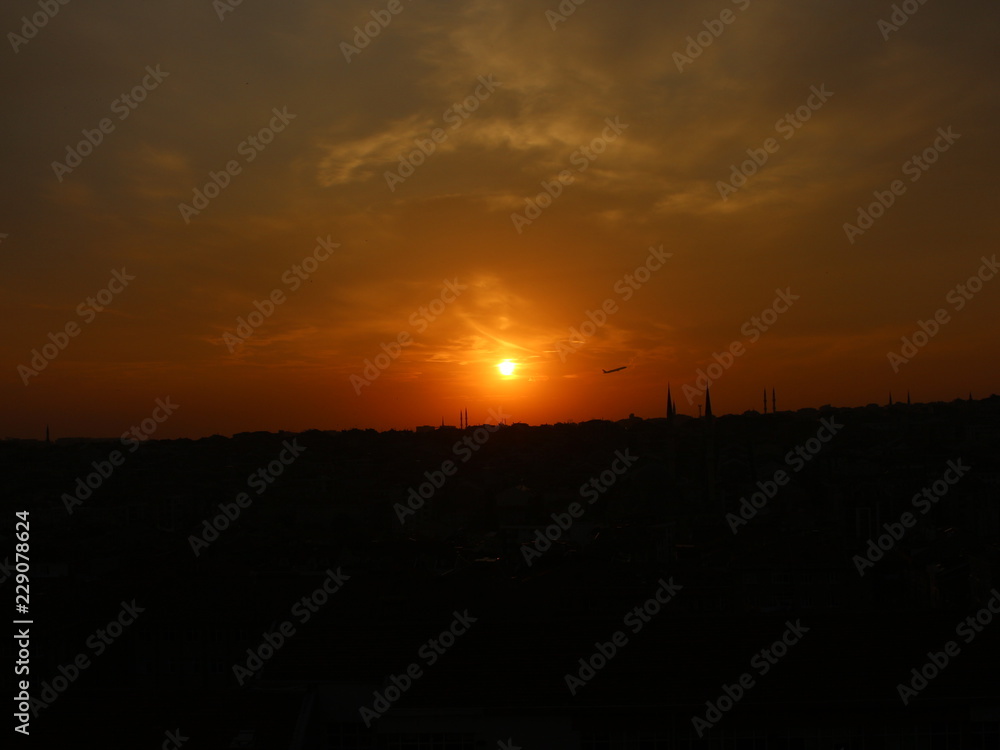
708	403
774	409
670	405
890	398
907	397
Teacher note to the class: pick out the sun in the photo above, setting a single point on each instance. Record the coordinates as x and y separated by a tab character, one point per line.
507	367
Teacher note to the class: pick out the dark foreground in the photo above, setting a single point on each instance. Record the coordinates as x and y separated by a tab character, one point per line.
290	591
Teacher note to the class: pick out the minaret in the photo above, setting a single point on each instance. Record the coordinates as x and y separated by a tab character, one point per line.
671	437
774	409
907	398
710	452
466	418
890	399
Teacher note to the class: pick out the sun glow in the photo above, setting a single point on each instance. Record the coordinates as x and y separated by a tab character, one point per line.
507	367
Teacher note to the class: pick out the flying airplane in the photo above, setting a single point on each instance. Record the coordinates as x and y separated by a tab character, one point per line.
608	372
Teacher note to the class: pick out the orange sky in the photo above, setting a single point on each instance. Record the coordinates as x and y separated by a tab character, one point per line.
539	97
